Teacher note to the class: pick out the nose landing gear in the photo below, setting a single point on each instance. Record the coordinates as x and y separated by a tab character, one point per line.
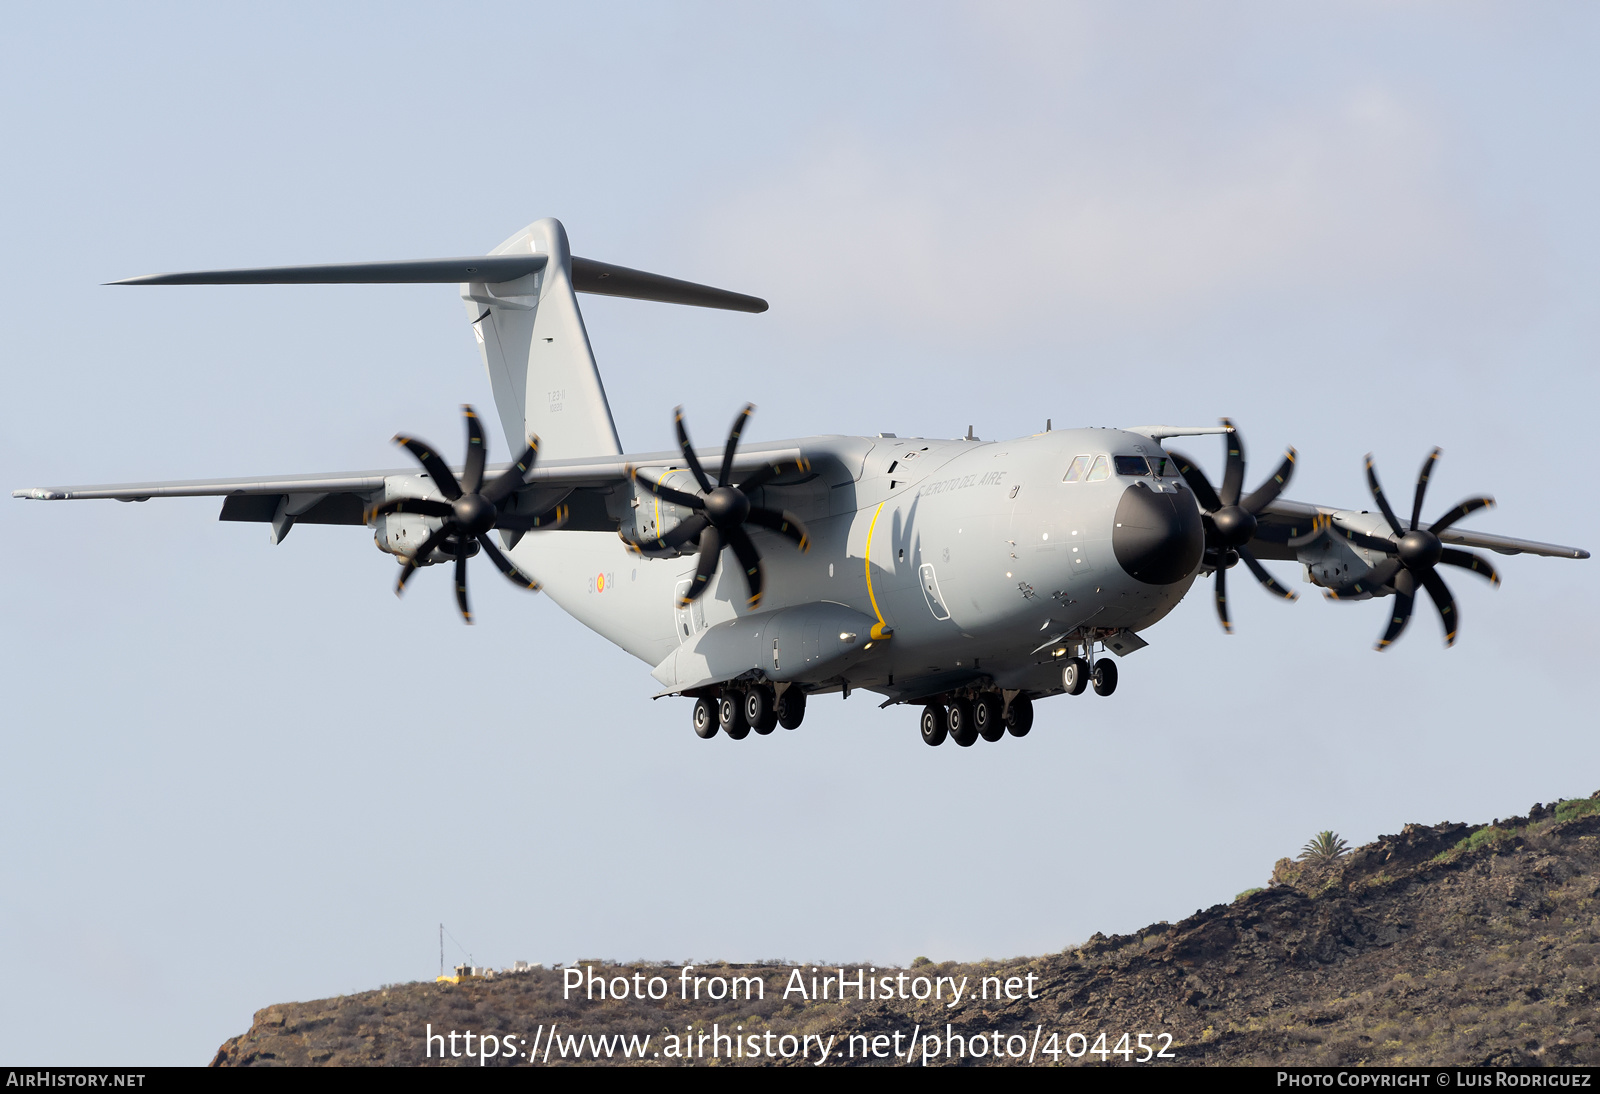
1077	672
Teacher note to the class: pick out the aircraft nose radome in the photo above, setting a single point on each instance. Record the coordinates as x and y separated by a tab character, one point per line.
1158	537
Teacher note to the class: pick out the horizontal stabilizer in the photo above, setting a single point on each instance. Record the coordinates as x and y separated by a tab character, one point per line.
604	279
588	276
442	271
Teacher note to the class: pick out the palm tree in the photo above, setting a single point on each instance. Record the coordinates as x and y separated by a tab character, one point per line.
1323	849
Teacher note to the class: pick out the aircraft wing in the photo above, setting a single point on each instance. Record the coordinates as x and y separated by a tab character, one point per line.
309	499
344	497
1284	520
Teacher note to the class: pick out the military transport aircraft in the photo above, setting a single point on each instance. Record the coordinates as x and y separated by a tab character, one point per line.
970	577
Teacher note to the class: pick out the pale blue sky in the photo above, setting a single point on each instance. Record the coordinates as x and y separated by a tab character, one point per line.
238	774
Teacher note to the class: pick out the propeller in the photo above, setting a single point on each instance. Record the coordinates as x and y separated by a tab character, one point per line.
1414	555
720	513
471	510
1230	522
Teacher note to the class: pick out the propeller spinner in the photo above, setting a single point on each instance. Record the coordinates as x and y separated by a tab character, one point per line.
471	509
1230	522
720	514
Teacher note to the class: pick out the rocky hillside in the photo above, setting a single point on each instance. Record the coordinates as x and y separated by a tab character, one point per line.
1443	945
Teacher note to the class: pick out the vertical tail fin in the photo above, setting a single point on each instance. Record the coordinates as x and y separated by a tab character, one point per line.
537	352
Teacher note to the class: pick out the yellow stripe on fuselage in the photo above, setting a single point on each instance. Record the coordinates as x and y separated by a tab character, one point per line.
878	631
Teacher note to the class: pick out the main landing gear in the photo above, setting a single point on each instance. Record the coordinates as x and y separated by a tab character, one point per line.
985	715
738	710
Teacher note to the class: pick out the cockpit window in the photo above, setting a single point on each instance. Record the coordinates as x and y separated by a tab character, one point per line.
1131	465
1100	471
1165	467
1079	468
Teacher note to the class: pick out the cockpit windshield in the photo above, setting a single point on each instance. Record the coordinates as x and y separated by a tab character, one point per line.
1088	469
1131	465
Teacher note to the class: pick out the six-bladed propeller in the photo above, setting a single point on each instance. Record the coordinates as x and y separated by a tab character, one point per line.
471	510
1230	522
720	513
1414	553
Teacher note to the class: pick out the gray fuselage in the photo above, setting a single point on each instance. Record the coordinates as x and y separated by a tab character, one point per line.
970	555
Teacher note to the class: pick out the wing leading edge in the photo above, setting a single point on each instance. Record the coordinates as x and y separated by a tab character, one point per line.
1284	520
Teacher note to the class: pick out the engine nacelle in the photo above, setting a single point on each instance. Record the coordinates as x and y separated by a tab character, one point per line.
400	534
652	516
1330	560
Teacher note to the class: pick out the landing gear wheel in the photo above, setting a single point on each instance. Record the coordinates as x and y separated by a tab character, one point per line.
730	715
962	730
705	718
934	724
1019	716
1105	676
791	708
758	710
986	717
1075	675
